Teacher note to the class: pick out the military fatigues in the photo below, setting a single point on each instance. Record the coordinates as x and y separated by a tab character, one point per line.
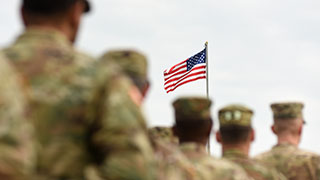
196	108
16	132
134	64
164	134
240	116
254	169
83	113
209	167
294	163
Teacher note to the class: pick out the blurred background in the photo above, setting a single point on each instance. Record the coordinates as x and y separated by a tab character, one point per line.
259	52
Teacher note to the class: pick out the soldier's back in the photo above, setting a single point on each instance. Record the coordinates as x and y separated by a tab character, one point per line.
82	113
211	168
294	163
254	169
16	132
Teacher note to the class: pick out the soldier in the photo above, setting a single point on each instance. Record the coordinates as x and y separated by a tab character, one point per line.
294	163
235	135
193	125
16	132
170	163
84	114
134	64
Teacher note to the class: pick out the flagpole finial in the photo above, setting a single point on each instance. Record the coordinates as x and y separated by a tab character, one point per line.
206	43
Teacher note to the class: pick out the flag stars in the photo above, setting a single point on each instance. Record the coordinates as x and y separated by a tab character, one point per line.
196	59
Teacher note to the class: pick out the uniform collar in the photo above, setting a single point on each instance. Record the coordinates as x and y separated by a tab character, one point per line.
192	147
234	153
45	36
283	145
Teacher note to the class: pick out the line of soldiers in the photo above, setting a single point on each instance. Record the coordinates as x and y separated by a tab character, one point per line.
67	116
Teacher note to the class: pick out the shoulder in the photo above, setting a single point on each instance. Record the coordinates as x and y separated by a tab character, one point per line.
224	169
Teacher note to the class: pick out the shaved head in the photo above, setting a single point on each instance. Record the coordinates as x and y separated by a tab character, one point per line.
287	126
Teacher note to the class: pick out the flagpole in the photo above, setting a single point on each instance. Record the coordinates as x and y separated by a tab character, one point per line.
207	84
207	69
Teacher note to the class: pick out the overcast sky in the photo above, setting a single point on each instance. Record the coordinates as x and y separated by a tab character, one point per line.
260	51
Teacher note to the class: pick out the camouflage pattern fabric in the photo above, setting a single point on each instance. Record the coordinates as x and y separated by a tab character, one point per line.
131	62
236	114
164	134
171	163
294	163
254	169
290	110
16	132
192	107
210	168
83	113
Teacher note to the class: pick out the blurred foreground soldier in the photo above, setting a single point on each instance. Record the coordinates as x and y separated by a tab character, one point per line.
193	125
134	64
16	132
286	157
84	114
235	135
170	163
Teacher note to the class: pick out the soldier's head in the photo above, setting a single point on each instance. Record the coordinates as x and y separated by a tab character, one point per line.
193	121
288	119
62	15
134	64
235	125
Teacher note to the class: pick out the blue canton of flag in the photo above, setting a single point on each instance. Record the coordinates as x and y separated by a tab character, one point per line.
196	59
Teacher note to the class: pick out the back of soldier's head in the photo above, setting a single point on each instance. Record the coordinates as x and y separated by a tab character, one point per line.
50	7
133	63
192	118
58	15
288	117
235	123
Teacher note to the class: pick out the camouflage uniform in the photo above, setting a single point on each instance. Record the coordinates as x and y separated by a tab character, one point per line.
294	163
209	167
163	133
240	116
16	132
197	108
134	64
83	112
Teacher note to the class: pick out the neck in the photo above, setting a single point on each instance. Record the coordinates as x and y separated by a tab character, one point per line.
60	28
242	147
198	141
291	139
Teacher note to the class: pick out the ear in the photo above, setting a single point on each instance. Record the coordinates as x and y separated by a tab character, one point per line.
300	129
252	135
145	89
273	129
73	18
76	12
218	137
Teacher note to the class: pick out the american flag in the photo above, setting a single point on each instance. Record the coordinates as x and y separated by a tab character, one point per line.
192	69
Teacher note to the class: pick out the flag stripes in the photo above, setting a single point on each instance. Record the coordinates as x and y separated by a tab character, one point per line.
179	75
